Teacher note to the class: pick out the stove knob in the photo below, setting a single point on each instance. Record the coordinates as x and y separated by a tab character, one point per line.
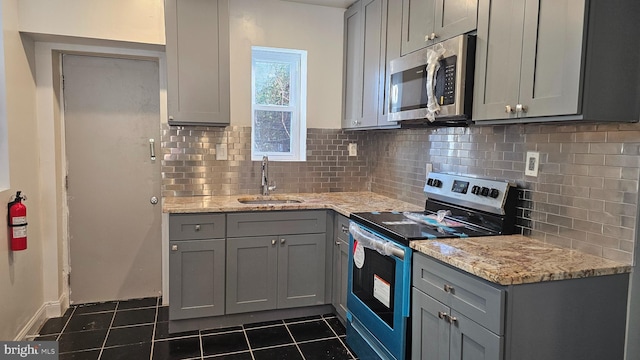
494	193
475	190
430	182
437	183
484	191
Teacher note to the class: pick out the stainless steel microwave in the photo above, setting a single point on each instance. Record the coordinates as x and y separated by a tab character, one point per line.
413	84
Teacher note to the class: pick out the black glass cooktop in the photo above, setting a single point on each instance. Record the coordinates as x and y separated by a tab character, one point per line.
417	226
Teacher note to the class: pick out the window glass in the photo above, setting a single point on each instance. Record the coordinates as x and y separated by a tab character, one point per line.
278	86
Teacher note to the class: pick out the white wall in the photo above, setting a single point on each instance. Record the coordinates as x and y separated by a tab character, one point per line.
275	23
139	21
21	272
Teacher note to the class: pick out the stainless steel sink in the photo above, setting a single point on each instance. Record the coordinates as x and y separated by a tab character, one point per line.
268	200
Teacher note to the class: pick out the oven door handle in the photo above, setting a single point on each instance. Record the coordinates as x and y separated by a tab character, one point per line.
374	242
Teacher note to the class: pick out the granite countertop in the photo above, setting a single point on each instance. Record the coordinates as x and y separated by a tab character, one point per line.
516	259
344	203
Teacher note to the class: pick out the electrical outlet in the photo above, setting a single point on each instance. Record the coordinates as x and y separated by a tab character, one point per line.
532	163
353	149
221	151
428	169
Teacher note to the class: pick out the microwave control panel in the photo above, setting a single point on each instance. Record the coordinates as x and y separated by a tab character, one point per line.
446	81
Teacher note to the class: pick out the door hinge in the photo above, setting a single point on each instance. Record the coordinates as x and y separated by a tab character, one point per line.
69	281
66	182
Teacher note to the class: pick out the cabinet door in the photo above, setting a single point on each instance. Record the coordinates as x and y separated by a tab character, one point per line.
196	278
340	277
430	333
417	24
390	50
454	17
552	57
498	58
301	270
470	341
252	274
197	50
353	73
374	27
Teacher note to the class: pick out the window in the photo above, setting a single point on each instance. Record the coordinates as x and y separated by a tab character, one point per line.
278	97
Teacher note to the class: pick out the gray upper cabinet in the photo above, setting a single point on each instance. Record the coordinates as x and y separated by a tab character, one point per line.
426	22
197	48
366	58
552	60
363	31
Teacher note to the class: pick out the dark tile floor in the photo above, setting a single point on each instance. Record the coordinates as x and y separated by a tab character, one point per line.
138	329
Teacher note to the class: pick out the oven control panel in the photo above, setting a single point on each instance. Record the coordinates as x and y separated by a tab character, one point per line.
483	194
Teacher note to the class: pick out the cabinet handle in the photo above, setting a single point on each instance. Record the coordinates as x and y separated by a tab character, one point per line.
174	247
448	288
197	227
345	229
508	109
452	320
282	241
442	315
170	118
273	241
521	108
337	243
433	36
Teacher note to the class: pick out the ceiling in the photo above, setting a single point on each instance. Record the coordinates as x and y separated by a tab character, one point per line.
332	3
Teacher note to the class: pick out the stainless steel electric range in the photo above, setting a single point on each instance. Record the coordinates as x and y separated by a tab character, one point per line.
378	300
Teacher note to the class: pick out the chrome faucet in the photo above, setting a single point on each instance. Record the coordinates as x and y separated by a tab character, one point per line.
265	177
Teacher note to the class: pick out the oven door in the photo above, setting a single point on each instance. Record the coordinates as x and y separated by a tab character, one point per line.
378	295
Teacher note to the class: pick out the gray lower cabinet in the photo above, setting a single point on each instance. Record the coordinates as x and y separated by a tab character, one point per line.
446	334
283	267
456	315
426	22
340	266
539	60
197	48
196	265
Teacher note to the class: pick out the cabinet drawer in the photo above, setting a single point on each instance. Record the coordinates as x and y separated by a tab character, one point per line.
196	226
276	223
342	228
477	299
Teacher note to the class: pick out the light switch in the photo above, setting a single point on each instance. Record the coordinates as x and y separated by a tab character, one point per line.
532	162
221	151
353	149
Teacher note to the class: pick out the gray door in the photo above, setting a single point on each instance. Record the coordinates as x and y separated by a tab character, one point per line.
552	57
196	278
112	110
353	73
252	274
417	23
470	341
498	58
301	270
455	17
430	331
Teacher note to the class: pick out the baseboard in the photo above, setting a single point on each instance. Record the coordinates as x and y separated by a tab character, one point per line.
46	311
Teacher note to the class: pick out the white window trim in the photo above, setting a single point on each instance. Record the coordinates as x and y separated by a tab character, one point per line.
298	104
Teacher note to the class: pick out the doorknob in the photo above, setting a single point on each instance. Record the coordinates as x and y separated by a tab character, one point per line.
153	200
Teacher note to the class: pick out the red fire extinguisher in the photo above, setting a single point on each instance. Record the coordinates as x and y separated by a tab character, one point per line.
18	223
